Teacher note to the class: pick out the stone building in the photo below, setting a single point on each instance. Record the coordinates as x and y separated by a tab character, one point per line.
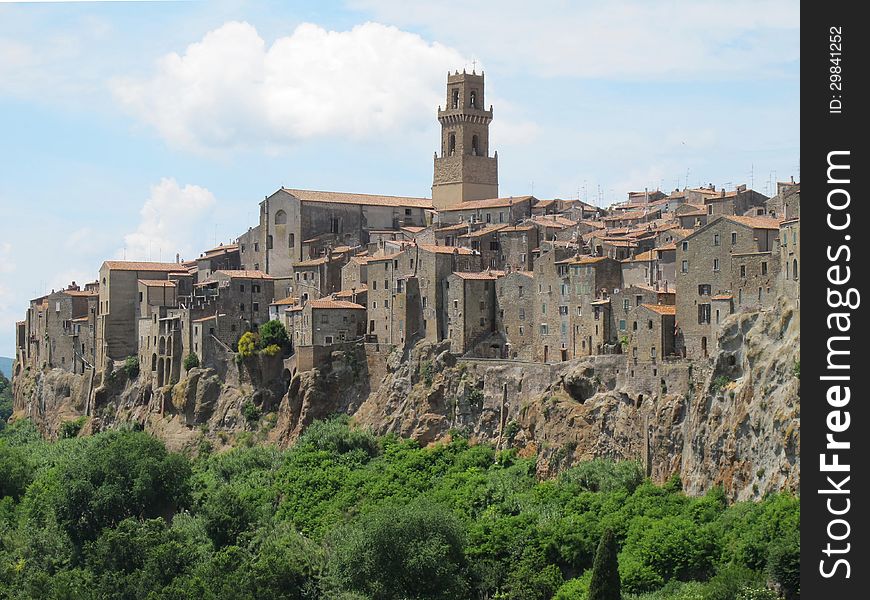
244	296
515	302
470	311
464	170
516	244
61	330
495	211
486	242
704	270
118	306
318	277
624	301
754	277
291	219
790	257
222	257
327	321
652	333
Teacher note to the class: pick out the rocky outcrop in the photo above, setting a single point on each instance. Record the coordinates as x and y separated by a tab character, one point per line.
733	421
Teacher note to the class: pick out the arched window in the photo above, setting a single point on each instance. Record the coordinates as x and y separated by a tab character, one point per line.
280	218
451	144
794	269
472	101
455	103
475	150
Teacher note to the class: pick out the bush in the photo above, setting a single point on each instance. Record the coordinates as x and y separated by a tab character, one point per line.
783	563
717	384
250	412
131	367
191	361
273	333
70	429
796	369
271	350
602	475
426	372
336	437
248	344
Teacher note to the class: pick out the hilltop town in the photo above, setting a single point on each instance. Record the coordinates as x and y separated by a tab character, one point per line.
646	285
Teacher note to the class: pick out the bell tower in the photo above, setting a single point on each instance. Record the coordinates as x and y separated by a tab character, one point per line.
464	169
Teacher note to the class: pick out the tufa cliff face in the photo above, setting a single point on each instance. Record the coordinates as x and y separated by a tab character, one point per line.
734	421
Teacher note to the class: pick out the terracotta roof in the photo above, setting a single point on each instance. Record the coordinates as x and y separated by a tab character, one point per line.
79	293
485	231
413	229
642	257
634	214
332	304
790	221
359	199
544	203
221	249
554	221
722	297
619	243
485	275
123	265
517	228
244	274
693	213
157	282
662	309
311	262
446	249
383	257
755	222
456	227
491	203
671	246
78	319
288	301
586	260
362	289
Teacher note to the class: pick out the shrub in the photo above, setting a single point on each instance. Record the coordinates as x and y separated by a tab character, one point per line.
70	429
273	333
271	350
191	361
783	563
601	475
426	372
719	383
250	412
131	367
248	344
796	369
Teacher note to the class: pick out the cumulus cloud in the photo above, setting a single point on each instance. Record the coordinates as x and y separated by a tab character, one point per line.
231	89
173	220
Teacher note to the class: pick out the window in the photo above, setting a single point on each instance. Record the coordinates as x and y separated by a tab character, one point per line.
764	268
255	288
140	300
544	329
400	285
242	307
709	209
794	269
522	314
482	305
622	324
242	288
374	284
717	316
520	291
324	319
488	218
543	309
256	306
733	238
335	225
563	310
521	330
634	326
256	246
685	246
472	101
327	340
684	266
292	240
424	301
703	313
652	353
715	239
743	270
649	324
386	304
626	304
280	218
482	321
451	143
374	304
715	264
456	304
638	300
704	289
386	284
407	212
455	101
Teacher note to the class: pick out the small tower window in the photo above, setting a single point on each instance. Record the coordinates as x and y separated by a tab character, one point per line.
451	144
472	101
475	150
455	98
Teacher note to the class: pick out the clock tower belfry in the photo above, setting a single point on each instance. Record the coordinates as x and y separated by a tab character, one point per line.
464	169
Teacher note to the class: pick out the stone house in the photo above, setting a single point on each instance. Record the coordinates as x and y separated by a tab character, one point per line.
486	242
290	217
704	270
64	330
118	306
754	276
470	311
495	211
790	257
222	257
624	301
327	321
515	303
318	277
652	333
516	243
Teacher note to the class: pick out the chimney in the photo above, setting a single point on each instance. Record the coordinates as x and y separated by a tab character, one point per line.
177	258
792	178
722	193
666	286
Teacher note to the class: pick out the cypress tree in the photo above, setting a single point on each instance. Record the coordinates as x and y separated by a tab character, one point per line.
605	570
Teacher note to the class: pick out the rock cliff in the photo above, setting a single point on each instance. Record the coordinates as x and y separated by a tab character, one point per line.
732	421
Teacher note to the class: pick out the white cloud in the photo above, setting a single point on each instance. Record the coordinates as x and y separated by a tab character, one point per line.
174	220
627	39
232	90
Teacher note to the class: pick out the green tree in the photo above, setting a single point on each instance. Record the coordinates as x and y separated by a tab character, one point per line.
605	584
783	563
401	552
248	344
191	361
273	333
5	400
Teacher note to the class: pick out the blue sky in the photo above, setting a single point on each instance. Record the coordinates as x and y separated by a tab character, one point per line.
146	129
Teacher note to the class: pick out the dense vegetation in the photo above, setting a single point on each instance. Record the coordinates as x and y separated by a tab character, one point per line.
5	400
349	516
